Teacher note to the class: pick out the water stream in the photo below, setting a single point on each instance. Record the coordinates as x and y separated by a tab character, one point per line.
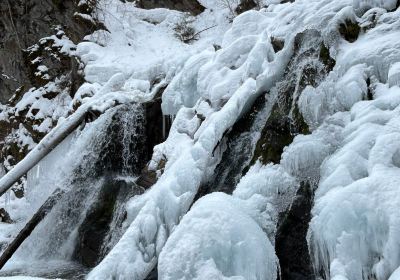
97	167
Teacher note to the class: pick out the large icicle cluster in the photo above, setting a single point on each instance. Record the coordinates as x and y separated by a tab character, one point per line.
353	234
360	237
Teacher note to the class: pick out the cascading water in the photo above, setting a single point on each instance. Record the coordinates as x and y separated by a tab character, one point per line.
271	125
239	147
274	119
97	168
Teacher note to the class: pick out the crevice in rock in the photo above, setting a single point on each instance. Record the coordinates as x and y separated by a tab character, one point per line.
277	43
349	30
157	129
291	239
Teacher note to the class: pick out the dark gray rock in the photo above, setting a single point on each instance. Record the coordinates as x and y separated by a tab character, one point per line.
22	24
4	216
93	231
246	5
291	238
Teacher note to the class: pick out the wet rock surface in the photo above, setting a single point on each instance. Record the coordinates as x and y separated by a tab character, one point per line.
291	238
92	240
238	148
246	5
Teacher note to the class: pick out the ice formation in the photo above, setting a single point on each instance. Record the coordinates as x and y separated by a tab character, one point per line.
350	158
362	176
217	240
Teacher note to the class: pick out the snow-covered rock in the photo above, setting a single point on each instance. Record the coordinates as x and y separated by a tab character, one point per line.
217	240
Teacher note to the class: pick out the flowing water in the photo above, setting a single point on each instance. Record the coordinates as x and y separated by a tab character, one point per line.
263	133
96	167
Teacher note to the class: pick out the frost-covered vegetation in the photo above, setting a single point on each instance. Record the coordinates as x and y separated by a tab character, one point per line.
328	75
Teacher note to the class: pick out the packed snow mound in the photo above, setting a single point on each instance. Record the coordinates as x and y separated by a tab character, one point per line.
364	5
360	237
216	238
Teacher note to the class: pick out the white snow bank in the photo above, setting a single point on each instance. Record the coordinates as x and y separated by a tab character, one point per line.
353	232
378	47
217	240
141	46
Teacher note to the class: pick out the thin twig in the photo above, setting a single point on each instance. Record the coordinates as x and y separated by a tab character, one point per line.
201	31
13	25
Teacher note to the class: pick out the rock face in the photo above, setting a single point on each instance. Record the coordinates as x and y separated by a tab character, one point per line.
22	24
191	6
4	216
34	62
